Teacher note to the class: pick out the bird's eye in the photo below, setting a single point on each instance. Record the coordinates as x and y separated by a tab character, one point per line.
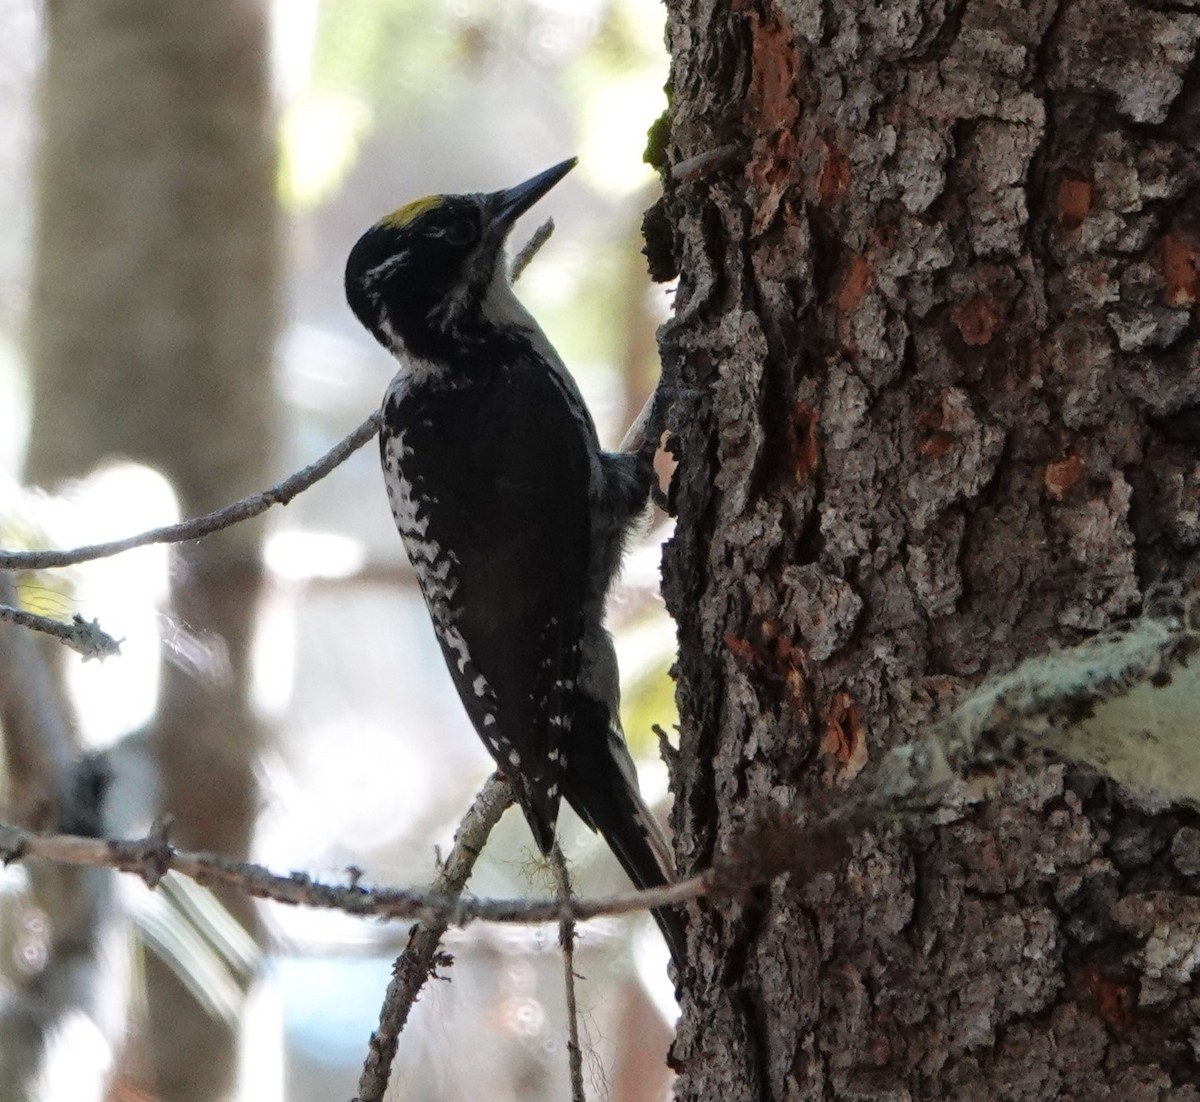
462	231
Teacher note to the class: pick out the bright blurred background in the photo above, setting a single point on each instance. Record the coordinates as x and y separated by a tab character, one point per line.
362	756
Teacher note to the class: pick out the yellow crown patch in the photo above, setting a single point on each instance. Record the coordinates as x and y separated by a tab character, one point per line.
400	218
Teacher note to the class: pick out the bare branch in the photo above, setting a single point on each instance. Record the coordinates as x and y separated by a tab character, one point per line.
530	249
245	509
49	786
566	939
84	636
151	858
701	164
420	958
39	742
643	425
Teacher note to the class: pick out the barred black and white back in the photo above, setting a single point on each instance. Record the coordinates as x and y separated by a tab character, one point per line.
501	558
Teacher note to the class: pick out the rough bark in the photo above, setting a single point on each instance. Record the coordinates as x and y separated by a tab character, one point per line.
936	391
152	321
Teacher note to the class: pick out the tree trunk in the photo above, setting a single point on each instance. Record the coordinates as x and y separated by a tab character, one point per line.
151	331
936	400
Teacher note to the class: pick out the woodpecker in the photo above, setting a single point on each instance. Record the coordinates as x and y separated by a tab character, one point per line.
513	517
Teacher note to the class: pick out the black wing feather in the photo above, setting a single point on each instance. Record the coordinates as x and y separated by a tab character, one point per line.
500	480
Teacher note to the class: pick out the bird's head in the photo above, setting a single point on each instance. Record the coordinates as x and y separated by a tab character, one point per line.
424	279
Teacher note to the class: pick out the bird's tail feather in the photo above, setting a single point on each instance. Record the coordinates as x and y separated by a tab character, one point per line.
601	785
639	852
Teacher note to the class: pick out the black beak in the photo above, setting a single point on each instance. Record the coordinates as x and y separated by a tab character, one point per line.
511	203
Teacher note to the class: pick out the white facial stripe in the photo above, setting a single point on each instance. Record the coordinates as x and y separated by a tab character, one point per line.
373	275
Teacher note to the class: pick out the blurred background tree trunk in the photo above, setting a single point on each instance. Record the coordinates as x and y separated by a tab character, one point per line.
153	314
936	374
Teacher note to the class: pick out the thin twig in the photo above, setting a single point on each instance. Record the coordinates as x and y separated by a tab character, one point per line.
151	858
196	527
84	636
643	424
691	168
530	249
421	957
566	939
39	742
49	784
